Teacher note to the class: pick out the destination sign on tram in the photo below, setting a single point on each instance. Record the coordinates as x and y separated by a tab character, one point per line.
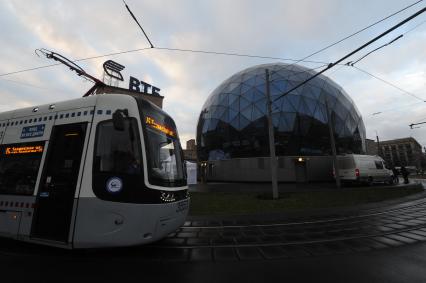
162	128
13	150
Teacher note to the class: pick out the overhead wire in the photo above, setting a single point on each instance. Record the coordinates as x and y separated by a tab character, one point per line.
390	84
361	30
25	84
77	60
331	65
219	53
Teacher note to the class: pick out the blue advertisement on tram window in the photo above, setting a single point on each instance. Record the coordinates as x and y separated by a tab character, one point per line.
32	131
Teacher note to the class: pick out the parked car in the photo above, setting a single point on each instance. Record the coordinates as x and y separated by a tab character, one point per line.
368	169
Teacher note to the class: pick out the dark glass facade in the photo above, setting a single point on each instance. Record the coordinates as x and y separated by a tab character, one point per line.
233	121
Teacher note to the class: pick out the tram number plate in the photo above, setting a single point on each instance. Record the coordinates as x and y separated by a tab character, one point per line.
182	205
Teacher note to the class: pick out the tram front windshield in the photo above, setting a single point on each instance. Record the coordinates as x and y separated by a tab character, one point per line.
164	153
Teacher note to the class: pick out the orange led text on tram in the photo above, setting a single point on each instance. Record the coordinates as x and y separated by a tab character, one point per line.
151	122
23	149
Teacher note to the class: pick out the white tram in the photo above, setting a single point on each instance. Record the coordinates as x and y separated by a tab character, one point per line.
100	171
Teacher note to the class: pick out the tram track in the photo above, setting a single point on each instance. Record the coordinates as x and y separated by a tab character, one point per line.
366	231
296	242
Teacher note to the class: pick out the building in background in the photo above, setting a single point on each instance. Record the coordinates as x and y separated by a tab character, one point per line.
190	153
402	152
371	147
232	130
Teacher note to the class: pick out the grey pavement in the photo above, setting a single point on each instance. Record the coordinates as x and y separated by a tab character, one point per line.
399	264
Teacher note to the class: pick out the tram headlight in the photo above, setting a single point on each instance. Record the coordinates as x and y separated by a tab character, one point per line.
167	196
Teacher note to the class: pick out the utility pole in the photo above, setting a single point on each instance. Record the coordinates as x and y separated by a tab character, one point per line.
379	151
271	140
333	147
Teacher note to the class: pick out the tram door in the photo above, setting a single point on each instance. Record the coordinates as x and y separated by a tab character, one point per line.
58	183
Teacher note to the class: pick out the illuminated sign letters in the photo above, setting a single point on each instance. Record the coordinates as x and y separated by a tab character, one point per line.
11	150
143	87
162	128
32	131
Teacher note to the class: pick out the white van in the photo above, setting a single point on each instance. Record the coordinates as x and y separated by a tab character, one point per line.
363	169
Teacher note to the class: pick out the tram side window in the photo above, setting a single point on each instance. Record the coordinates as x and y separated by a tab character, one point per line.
19	165
118	151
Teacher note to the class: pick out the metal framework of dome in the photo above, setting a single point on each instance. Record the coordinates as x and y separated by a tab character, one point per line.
233	121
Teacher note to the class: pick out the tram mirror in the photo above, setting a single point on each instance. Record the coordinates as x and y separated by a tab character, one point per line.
118	119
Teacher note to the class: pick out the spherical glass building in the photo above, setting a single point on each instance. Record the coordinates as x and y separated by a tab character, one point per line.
233	121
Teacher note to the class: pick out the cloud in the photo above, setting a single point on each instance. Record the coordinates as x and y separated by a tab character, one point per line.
290	29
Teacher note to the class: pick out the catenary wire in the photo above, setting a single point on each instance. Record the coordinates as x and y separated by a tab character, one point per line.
230	54
359	31
331	65
390	84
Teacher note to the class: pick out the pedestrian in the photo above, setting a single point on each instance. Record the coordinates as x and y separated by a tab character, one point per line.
404	174
395	175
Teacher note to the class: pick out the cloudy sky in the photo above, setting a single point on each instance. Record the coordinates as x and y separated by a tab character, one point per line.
282	28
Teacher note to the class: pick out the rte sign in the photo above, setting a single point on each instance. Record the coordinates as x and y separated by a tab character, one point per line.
143	87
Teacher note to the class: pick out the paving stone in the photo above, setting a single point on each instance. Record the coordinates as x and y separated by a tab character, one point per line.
213	223
310	236
231	233
172	242
252	233
187	223
222	241
419	232
171	235
273	252
387	241
242	222
198	223
189	229
174	254
228	222
292	238
413	236
384	228
198	242
224	254
186	235
246	240
335	234
415	222
338	247
411	223
318	249
208	234
270	239
373	244
249	253
359	245
201	254
295	251
272	232
401	238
